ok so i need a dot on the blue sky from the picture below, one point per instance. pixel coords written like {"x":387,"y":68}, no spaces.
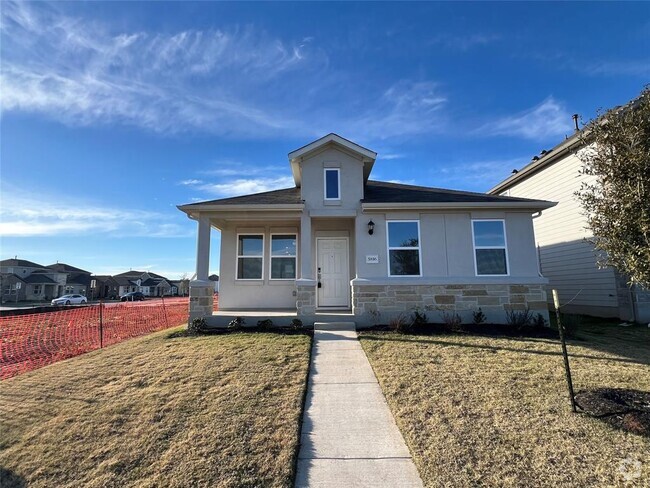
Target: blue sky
{"x":114,"y":113}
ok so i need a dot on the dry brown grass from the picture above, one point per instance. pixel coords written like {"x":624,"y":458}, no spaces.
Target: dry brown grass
{"x":482,"y":411}
{"x":158,"y":411}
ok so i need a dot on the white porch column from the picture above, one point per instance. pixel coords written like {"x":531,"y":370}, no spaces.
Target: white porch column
{"x":305,"y":285}
{"x":202,"y":289}
{"x":203,"y":249}
{"x":306,"y":270}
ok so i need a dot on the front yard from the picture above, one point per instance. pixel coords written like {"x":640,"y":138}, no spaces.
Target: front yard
{"x":159,"y":411}
{"x":486,"y":411}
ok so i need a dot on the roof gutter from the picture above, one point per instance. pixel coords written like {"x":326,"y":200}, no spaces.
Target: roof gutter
{"x":192,"y":208}
{"x":532,"y":205}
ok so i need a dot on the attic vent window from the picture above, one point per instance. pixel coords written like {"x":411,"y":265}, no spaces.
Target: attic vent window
{"x":332,"y":184}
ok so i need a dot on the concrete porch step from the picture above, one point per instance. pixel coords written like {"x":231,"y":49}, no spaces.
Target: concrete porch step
{"x":335,"y":326}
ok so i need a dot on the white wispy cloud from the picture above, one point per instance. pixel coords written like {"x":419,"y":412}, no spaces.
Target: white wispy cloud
{"x":29,"y":215}
{"x":190,"y":182}
{"x":475,"y":175}
{"x":546,"y":120}
{"x":245,"y":186}
{"x":230,"y":81}
{"x":80,"y":72}
{"x":406,"y":108}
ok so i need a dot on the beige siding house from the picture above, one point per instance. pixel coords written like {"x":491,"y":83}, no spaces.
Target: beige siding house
{"x":567,"y":258}
{"x":339,"y":242}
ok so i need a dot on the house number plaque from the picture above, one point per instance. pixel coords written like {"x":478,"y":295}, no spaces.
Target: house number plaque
{"x":372,"y":259}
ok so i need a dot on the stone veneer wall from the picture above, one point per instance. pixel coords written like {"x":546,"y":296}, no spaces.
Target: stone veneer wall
{"x":305,"y":300}
{"x":201,"y":300}
{"x":378,"y":303}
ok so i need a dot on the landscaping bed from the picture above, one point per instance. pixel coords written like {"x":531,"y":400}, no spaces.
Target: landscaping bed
{"x":160,"y":410}
{"x":481,"y":410}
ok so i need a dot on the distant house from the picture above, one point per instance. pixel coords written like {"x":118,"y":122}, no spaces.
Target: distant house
{"x":566,"y":256}
{"x":23,"y":280}
{"x":146,"y":282}
{"x":105,"y":286}
{"x":339,"y":241}
{"x":77,"y":280}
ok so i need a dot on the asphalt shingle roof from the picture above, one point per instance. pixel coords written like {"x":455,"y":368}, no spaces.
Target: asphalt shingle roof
{"x":285,"y":196}
{"x":375,"y":192}
{"x":20,"y":262}
{"x":38,"y":279}
{"x":66,"y":268}
{"x":384,"y":192}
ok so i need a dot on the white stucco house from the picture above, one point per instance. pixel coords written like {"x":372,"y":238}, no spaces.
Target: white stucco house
{"x":340,"y":242}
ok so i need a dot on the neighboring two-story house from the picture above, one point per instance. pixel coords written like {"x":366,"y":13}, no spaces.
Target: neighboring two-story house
{"x":566,"y":255}
{"x":339,"y":241}
{"x":23,"y":280}
{"x":77,"y":280}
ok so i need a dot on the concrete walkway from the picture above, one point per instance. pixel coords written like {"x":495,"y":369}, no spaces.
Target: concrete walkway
{"x":349,"y":436}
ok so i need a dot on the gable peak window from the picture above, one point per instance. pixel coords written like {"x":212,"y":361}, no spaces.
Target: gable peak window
{"x":490,"y":247}
{"x":332,"y":183}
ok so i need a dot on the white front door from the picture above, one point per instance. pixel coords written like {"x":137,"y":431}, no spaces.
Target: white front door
{"x":333,"y":272}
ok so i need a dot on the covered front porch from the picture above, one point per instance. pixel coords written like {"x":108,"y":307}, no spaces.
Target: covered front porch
{"x":276,"y":265}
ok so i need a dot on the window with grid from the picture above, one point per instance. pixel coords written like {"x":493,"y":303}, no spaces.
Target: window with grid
{"x":250,"y":256}
{"x":490,"y":248}
{"x":403,"y":248}
{"x":283,"y":257}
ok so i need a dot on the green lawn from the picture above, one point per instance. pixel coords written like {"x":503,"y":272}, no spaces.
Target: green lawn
{"x":486,"y":411}
{"x":158,"y":411}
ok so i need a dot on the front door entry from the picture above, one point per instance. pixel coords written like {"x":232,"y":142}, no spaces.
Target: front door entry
{"x":333,"y":272}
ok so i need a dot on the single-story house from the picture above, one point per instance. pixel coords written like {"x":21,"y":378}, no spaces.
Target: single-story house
{"x":567,"y":257}
{"x":339,"y":241}
{"x":104,"y":287}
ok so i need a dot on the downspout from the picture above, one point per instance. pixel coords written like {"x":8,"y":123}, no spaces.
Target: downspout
{"x":539,"y":259}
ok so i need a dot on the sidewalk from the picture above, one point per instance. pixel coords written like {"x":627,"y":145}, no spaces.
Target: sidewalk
{"x":349,"y":436}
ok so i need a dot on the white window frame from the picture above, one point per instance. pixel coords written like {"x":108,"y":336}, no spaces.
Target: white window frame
{"x":504,"y":247}
{"x":389,"y":249}
{"x":295,"y":256}
{"x":244,"y":257}
{"x":338,"y":181}
{"x":38,"y":287}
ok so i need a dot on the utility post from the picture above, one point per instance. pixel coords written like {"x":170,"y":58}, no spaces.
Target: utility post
{"x":565,"y":355}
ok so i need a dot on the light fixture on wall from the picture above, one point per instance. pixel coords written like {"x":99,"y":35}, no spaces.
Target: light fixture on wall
{"x":371,"y":227}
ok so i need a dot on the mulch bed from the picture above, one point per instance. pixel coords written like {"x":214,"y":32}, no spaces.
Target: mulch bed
{"x":628,"y":410}
{"x":244,"y":329}
{"x":475,"y":329}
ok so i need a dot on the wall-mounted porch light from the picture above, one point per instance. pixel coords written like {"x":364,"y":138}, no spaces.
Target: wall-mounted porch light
{"x":371,"y":227}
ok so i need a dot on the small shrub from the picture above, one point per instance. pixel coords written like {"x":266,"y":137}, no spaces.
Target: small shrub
{"x":478,"y":317}
{"x":401,"y":325}
{"x":375,"y":315}
{"x":265,"y":324}
{"x":452,"y":321}
{"x":519,"y":319}
{"x":296,"y":324}
{"x":419,"y":318}
{"x":196,"y":326}
{"x":539,"y":322}
{"x":236,"y":323}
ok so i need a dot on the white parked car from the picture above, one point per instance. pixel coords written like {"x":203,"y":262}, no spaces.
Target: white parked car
{"x":70,"y":300}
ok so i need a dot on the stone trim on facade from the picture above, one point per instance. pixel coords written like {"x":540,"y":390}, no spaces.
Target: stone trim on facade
{"x":378,"y":303}
{"x":305,"y":300}
{"x":201,"y":299}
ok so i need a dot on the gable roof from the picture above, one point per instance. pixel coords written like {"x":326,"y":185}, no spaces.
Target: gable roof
{"x":38,"y":279}
{"x":366,"y":156}
{"x":386,"y":192}
{"x":66,"y":268}
{"x":20,"y":262}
